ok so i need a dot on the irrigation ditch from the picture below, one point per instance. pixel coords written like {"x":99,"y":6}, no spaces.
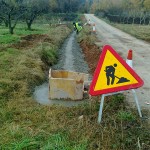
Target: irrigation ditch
{"x":71,"y":58}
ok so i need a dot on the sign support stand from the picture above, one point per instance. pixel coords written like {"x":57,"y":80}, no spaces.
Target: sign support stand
{"x":102,"y":103}
{"x":101,"y":108}
{"x":137,"y":102}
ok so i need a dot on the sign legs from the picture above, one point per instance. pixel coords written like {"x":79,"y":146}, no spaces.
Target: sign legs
{"x":137,"y":103}
{"x":101,"y":108}
{"x":102,"y":103}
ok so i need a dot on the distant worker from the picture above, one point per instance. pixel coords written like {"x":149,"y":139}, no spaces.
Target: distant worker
{"x":110,"y":74}
{"x":77,"y":27}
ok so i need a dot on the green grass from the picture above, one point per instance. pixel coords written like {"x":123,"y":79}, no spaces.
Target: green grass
{"x":8,"y":58}
{"x":4,"y":39}
{"x":87,"y":36}
{"x":49,"y":55}
{"x":126,"y":116}
{"x":21,"y":30}
{"x":52,"y":142}
{"x":139,"y":31}
{"x":27,"y":125}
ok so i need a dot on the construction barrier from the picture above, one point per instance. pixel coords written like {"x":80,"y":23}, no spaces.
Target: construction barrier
{"x":66,"y":84}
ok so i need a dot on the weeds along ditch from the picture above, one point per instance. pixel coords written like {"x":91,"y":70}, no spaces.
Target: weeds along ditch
{"x":70,"y":58}
{"x":25,"y":124}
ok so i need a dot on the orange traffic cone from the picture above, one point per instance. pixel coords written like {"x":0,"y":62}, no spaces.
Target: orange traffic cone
{"x":94,"y":28}
{"x":129,"y":58}
{"x":89,"y":22}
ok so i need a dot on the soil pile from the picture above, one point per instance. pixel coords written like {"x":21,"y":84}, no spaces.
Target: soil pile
{"x":30,"y":41}
{"x":92,"y":53}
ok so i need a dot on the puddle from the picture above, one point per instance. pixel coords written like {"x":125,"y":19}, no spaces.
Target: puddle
{"x":71,"y":58}
{"x":41,"y":96}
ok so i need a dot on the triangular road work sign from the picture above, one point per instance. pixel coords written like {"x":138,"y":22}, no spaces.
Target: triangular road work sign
{"x":113,"y":74}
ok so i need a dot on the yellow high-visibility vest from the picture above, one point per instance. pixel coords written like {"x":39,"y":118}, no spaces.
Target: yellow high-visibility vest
{"x":79,"y":28}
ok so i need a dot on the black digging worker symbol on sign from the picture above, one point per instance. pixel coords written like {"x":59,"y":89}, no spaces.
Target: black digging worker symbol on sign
{"x":110,"y":75}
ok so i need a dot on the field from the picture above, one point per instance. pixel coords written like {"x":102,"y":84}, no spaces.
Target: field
{"x":26,"y":125}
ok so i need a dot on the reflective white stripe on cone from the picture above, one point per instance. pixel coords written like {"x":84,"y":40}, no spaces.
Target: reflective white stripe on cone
{"x":94,"y":28}
{"x":129,"y":58}
{"x":89,"y":22}
{"x":129,"y":62}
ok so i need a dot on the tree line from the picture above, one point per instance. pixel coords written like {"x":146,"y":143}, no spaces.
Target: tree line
{"x":11,"y":11}
{"x":123,"y":11}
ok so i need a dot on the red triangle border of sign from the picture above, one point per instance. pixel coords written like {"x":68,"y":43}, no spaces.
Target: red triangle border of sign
{"x":113,"y":89}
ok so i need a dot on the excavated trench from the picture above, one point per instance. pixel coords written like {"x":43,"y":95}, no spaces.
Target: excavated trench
{"x":71,"y":58}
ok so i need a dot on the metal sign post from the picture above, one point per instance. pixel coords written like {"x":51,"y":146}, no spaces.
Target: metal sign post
{"x":112,"y":76}
{"x":102,"y":103}
{"x":137,"y":102}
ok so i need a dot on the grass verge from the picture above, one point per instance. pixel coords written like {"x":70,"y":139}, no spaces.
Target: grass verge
{"x":21,"y":30}
{"x":139,"y":31}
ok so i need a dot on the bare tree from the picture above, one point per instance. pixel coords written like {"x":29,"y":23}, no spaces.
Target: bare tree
{"x":11,"y":12}
{"x":34,"y":8}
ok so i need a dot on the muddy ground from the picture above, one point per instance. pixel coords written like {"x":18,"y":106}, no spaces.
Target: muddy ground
{"x":71,"y":58}
{"x":91,"y":54}
{"x":30,"y":41}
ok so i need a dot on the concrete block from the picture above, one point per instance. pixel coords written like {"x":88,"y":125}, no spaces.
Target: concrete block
{"x":66,"y":84}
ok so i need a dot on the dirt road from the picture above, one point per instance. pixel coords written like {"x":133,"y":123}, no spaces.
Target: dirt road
{"x":122,"y":42}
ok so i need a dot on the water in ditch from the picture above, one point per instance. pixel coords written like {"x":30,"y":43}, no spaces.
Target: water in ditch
{"x":71,"y":58}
